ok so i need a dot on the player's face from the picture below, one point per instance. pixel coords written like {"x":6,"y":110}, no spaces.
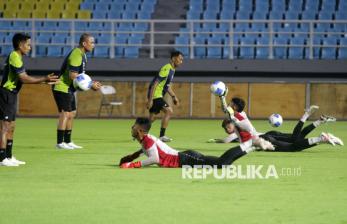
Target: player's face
{"x":89,"y":44}
{"x":229,"y":128}
{"x":25,"y":47}
{"x":177,"y":60}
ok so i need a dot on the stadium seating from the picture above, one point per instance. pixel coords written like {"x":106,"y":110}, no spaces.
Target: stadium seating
{"x":288,"y":32}
{"x":54,"y":38}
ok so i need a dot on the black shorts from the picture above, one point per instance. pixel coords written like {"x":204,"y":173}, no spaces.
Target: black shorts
{"x":8,"y":105}
{"x":158,"y":105}
{"x":191,"y":158}
{"x":65,"y":101}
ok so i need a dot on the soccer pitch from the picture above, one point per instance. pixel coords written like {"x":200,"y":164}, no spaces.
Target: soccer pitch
{"x":86,"y":186}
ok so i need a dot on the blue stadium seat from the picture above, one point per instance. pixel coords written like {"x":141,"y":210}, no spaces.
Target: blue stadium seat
{"x":43,"y":38}
{"x":54,"y":51}
{"x":342,"y":53}
{"x":6,"y":25}
{"x":341,"y":15}
{"x":49,"y":25}
{"x":81,"y":26}
{"x":229,"y":6}
{"x":246,"y":52}
{"x":114,"y":15}
{"x":280,"y":51}
{"x":132,"y":7}
{"x":182,"y":41}
{"x":5,"y":50}
{"x":99,"y":15}
{"x":143,"y":15}
{"x":292,"y":15}
{"x":193,"y":15}
{"x":59,"y":39}
{"x":214,"y":51}
{"x":101,"y":52}
{"x":131,"y":52}
{"x":95,"y":26}
{"x":116,"y":7}
{"x":296,"y":52}
{"x":140,"y":26}
{"x":275,"y":15}
{"x":199,"y":51}
{"x":325,"y":15}
{"x":147,"y":7}
{"x":209,"y":15}
{"x":104,"y":39}
{"x":129,"y":15}
{"x":41,"y":50}
{"x":262,"y":52}
{"x":262,"y":6}
{"x":87,"y":6}
{"x":329,"y":49}
{"x":308,"y":15}
{"x":101,"y":6}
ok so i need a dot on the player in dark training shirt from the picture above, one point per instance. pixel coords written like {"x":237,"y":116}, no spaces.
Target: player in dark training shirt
{"x":73,"y":65}
{"x":14,"y":75}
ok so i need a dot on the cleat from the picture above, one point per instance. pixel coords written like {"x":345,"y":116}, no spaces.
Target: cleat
{"x":165,"y":139}
{"x":14,"y":160}
{"x":7,"y":162}
{"x":73,"y":145}
{"x":335,"y":139}
{"x":326,"y":119}
{"x":327,"y":138}
{"x":63,"y":145}
{"x":311,"y":109}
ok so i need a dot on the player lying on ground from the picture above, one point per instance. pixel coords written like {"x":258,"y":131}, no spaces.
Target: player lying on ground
{"x":290,"y":142}
{"x":161,"y":154}
{"x":244,"y":129}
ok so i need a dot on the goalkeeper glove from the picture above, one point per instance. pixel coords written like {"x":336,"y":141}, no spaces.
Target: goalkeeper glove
{"x":212,"y":140}
{"x":131,"y":165}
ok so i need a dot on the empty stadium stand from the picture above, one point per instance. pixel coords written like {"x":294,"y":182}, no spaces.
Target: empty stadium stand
{"x":215,"y":29}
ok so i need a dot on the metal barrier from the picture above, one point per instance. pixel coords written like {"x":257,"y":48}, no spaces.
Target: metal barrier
{"x":273,"y":28}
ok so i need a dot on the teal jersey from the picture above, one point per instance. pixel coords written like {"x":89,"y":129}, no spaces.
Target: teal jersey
{"x":13,"y":67}
{"x":75,"y":61}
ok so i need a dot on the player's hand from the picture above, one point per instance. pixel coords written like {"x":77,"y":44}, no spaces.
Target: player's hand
{"x":212,"y":140}
{"x":225,"y":92}
{"x":96,"y":85}
{"x":131,"y":165}
{"x":126,"y":159}
{"x":52,"y":79}
{"x":149,"y":104}
{"x":175,"y":101}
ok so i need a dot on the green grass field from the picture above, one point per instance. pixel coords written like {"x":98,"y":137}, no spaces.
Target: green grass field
{"x":86,"y":186}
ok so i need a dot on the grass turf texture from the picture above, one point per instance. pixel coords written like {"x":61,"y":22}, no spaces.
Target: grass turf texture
{"x":86,"y":186}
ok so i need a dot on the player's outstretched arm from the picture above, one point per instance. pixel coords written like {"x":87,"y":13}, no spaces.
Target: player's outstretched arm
{"x":131,"y":157}
{"x":150,"y":97}
{"x":49,"y":79}
{"x":96,"y":85}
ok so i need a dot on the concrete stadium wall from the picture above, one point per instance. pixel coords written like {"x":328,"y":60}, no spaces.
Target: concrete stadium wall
{"x":288,"y":99}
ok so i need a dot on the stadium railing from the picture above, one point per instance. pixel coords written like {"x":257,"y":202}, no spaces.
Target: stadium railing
{"x":312,"y":31}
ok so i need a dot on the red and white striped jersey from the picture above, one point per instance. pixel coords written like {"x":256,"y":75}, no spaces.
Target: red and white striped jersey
{"x":158,"y":152}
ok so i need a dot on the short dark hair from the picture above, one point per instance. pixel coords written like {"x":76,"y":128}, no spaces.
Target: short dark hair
{"x":18,"y":38}
{"x":145,"y":123}
{"x":225,"y":122}
{"x":175,"y":54}
{"x":84,"y":37}
{"x":240,"y":103}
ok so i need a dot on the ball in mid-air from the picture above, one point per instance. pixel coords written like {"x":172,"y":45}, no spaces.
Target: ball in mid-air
{"x":275,"y":120}
{"x":218,"y":88}
{"x":83,"y":82}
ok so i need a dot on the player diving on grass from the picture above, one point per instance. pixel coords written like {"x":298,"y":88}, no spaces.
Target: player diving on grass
{"x":161,"y":154}
{"x":289,"y":142}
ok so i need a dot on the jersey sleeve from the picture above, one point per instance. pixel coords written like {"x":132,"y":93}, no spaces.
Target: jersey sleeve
{"x":16,"y":64}
{"x":75,"y":61}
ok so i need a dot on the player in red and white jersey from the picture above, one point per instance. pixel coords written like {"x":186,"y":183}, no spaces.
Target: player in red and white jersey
{"x":244,"y":129}
{"x":163,"y":155}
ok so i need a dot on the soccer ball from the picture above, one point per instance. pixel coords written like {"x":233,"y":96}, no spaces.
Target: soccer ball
{"x":275,"y":120}
{"x":83,"y":82}
{"x":218,"y":88}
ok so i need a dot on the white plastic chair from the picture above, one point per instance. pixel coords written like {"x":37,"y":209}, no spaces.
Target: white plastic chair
{"x":108,"y":99}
